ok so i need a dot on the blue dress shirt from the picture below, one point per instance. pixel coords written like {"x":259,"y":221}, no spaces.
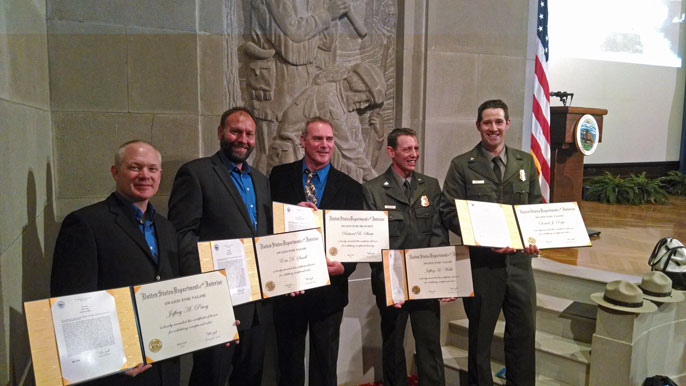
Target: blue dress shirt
{"x":319,"y":180}
{"x":145,"y":225}
{"x":242,"y":178}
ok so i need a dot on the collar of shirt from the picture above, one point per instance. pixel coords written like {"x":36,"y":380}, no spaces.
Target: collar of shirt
{"x":242,"y":179}
{"x":319,"y":179}
{"x":231,"y":167}
{"x":145,"y":223}
{"x":489,"y":156}
{"x":400,"y":180}
{"x":136,"y":213}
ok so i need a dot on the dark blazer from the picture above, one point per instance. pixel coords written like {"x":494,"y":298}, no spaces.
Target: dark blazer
{"x":340,"y":192}
{"x":411,"y":224}
{"x":205,"y":205}
{"x":101,"y":247}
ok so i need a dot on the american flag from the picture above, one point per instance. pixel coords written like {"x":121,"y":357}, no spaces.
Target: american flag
{"x":540,"y":131}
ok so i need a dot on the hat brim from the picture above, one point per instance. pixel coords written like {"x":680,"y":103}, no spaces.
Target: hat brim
{"x":645,"y":308}
{"x":674,"y":297}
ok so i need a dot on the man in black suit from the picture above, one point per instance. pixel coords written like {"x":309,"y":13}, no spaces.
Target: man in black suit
{"x":314,"y":182}
{"x":119,"y":242}
{"x":222,"y":197}
{"x":412,"y":200}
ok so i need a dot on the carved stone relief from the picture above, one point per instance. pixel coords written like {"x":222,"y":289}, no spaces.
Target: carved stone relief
{"x":299,"y":59}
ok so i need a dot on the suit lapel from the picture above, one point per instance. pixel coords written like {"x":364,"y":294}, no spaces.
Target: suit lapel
{"x":481,"y":165}
{"x":225,"y":178}
{"x":391,"y":187}
{"x":295,"y":182}
{"x":331,"y":188}
{"x":129,"y":226}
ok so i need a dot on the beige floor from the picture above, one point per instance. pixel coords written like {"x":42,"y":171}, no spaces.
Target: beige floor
{"x":628,"y":235}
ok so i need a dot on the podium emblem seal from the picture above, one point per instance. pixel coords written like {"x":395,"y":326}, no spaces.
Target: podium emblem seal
{"x":587,"y":134}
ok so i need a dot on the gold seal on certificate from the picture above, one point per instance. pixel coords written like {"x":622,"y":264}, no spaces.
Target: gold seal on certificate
{"x":270,"y":286}
{"x":430,"y":273}
{"x":356,"y":235}
{"x":155,"y":345}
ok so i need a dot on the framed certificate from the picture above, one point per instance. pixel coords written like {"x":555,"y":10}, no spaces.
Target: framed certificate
{"x":237,"y":258}
{"x":292,"y":261}
{"x":186,"y":314}
{"x":355,"y":235}
{"x":289,"y":218}
{"x":268,"y":266}
{"x":556,"y":225}
{"x":426,"y":273}
{"x":81,"y":337}
{"x":548,"y":226}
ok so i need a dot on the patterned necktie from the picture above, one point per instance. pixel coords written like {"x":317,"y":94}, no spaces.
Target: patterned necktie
{"x":310,"y":191}
{"x":497,"y":170}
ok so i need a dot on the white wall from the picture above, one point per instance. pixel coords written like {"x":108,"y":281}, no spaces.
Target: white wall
{"x":644,"y":102}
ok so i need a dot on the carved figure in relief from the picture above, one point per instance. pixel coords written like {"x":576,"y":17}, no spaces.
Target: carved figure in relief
{"x":338,"y":95}
{"x":291,"y":41}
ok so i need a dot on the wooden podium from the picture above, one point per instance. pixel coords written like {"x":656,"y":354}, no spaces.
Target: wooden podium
{"x":567,"y":161}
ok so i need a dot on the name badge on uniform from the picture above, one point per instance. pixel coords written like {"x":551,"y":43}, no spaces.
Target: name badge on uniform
{"x":522,"y":175}
{"x":425,"y":201}
{"x":389,"y":206}
{"x":477,"y":182}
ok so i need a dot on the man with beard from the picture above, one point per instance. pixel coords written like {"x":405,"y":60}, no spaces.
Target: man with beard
{"x":222,"y":197}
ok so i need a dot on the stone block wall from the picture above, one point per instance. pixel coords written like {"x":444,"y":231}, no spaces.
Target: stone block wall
{"x":27,"y":218}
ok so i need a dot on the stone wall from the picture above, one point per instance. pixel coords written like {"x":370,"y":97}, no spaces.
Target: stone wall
{"x":27,"y":217}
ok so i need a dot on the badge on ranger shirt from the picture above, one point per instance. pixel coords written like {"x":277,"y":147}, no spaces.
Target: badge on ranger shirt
{"x":425,"y":201}
{"x":522,"y":175}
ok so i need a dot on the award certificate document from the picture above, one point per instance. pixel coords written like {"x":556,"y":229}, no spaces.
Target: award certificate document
{"x":186,"y":314}
{"x":291,"y":218}
{"x":356,"y":235}
{"x":293,"y":261}
{"x":89,"y":340}
{"x":555,"y":225}
{"x":437,"y":273}
{"x":426,"y":273}
{"x":488,"y":224}
{"x":237,"y":258}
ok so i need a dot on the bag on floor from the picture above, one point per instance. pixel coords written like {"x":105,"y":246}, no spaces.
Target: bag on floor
{"x":669,"y":256}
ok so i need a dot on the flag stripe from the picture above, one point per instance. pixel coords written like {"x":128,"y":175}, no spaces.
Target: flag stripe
{"x":540,"y":125}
